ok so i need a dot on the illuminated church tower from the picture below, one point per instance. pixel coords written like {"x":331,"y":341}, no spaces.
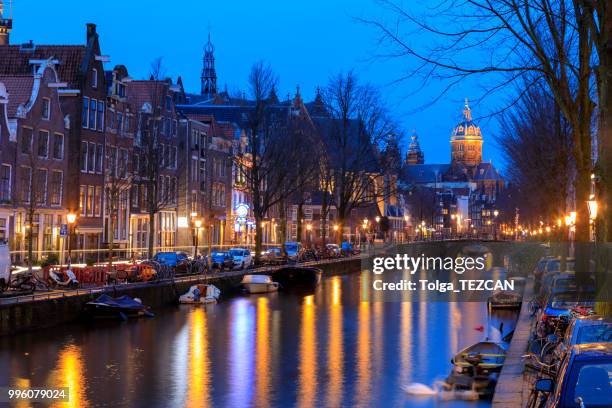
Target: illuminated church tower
{"x":209,"y":76}
{"x":466,"y":141}
{"x":6,"y":25}
{"x":414,"y":154}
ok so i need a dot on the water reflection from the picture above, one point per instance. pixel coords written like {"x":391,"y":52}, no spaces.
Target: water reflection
{"x":263,"y":353}
{"x":241,"y":353}
{"x":333,"y":347}
{"x":198,"y":379}
{"x":335,"y":352}
{"x":308,"y":355}
{"x":70,"y":373}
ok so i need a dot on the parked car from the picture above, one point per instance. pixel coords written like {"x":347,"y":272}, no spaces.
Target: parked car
{"x":242,"y":257}
{"x":272,"y":256}
{"x":585,"y":330}
{"x":221,"y":260}
{"x":561,"y":306}
{"x":171,"y":259}
{"x":293,"y":250}
{"x":584,"y":378}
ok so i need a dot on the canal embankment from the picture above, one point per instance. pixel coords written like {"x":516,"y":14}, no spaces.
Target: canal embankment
{"x":45,"y":310}
{"x":512,"y":388}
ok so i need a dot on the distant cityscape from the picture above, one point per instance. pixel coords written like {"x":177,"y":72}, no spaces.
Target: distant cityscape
{"x":90,"y":157}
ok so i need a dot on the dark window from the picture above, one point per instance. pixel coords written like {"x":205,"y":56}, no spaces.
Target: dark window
{"x":92,"y":113}
{"x":24,"y":183}
{"x":100,"y":117}
{"x":26,"y":140}
{"x":46,"y":108}
{"x":43,"y":143}
{"x":84,"y":156}
{"x":168,"y":103}
{"x":5,"y":182}
{"x":99,"y":159}
{"x":58,"y":146}
{"x":55,"y":186}
{"x":40,"y":186}
{"x":91,"y":159}
{"x":85,"y":116}
{"x":119,"y":122}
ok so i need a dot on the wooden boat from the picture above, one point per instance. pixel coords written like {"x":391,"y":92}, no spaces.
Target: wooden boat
{"x":297,"y":276}
{"x":200,"y":294}
{"x":124,"y":307}
{"x":505,"y":300}
{"x":259,"y":284}
{"x":477,"y":367}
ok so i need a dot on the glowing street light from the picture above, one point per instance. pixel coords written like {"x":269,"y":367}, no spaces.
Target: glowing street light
{"x":71,"y":219}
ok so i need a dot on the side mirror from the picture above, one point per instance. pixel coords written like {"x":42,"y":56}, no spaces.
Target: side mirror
{"x":544,"y":385}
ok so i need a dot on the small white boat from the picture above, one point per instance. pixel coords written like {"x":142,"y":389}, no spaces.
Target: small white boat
{"x":259,"y":284}
{"x":201,"y":294}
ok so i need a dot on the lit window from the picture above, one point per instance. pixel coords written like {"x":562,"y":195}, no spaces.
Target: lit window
{"x":94,"y":78}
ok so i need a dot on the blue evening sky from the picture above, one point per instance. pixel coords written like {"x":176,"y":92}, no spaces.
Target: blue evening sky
{"x":305,"y":42}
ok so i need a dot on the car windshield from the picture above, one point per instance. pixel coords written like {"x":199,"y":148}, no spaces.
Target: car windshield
{"x":218,"y":254}
{"x":595,"y":333}
{"x":236,"y":252}
{"x":570,"y":301}
{"x":593,"y":384}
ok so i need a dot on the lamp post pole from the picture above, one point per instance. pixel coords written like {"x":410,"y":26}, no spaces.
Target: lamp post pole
{"x":71,"y":218}
{"x":197,"y":224}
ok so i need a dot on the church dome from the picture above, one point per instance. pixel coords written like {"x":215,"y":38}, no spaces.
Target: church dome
{"x":466,"y":129}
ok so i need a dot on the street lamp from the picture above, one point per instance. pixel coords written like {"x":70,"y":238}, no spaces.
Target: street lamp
{"x":71,"y":218}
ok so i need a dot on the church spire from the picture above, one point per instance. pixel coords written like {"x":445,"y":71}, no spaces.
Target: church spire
{"x":6,"y":25}
{"x":467,"y":113}
{"x":414,"y":154}
{"x":209,"y":76}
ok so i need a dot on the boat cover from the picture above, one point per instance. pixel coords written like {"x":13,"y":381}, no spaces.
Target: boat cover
{"x":124,"y":302}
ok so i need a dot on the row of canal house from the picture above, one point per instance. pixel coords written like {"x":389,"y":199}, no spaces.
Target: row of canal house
{"x":75,"y":138}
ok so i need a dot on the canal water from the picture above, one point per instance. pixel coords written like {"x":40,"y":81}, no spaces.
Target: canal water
{"x":327,"y":348}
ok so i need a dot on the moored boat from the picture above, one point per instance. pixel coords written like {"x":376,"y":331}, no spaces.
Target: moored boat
{"x":200,"y":294}
{"x":297,"y":276}
{"x":505,"y":300}
{"x":259,"y":284}
{"x":122,"y":307}
{"x":477,"y":367}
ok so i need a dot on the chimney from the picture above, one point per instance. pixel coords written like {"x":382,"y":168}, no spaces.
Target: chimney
{"x":91,"y":31}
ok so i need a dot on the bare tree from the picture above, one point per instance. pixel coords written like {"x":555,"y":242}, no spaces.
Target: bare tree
{"x":118,"y":180}
{"x":31,"y":191}
{"x":358,"y":126}
{"x":160,"y":195}
{"x":537,"y":145}
{"x":277,"y":138}
{"x":550,"y":41}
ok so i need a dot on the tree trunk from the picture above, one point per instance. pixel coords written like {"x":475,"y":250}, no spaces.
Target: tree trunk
{"x":340,"y":230}
{"x":111,"y":240}
{"x":151,"y":240}
{"x":300,"y":216}
{"x":258,"y":237}
{"x":282,"y":225}
{"x":30,"y":239}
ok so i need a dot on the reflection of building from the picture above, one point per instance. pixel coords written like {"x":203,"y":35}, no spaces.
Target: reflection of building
{"x":463,"y":192}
